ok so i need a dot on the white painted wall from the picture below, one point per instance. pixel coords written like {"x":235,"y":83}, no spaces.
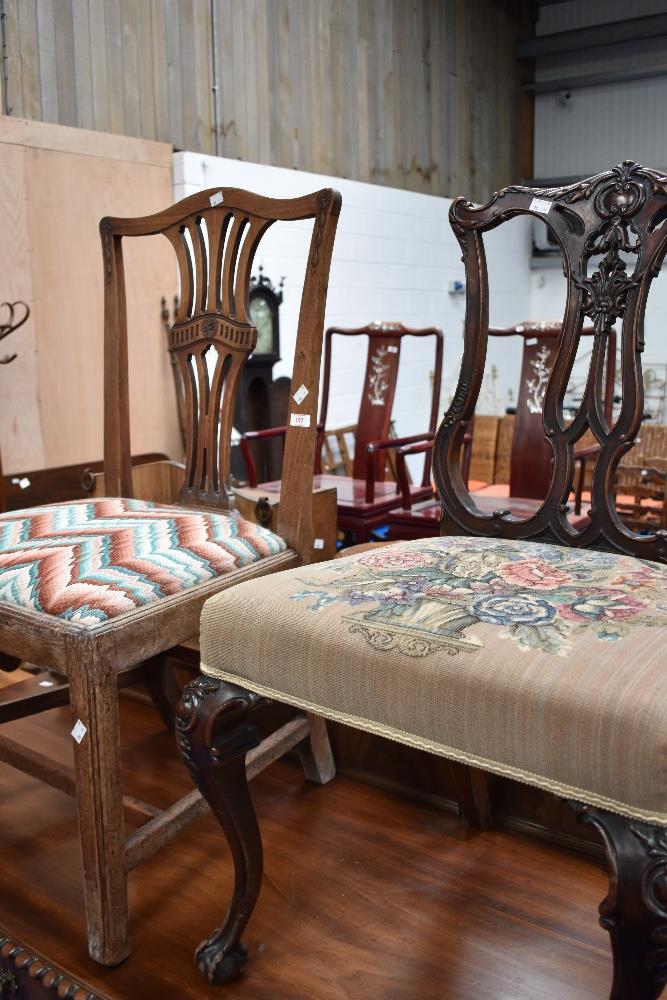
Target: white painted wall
{"x":393,"y":257}
{"x":600,"y":126}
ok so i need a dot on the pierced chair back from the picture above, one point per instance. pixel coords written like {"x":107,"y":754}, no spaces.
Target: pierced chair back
{"x":215,"y":235}
{"x":610,"y":232}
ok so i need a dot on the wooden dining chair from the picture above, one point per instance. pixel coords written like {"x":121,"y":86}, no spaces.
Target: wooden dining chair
{"x":97,"y":590}
{"x":365,"y":497}
{"x":526,"y":647}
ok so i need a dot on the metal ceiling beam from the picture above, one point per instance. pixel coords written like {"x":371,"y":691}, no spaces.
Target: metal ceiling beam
{"x":565,"y":83}
{"x":610,"y":33}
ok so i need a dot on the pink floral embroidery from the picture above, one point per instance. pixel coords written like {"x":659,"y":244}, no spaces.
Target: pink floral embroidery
{"x":601,"y":605}
{"x":391,"y":559}
{"x":430,"y":593}
{"x":534,"y":573}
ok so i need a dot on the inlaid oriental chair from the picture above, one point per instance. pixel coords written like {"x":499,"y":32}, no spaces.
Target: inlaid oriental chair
{"x":526,"y":647}
{"x":96,"y":590}
{"x":365,"y":497}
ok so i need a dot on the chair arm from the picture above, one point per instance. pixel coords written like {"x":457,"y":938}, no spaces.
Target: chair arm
{"x":401,"y":468}
{"x":373,"y":447}
{"x":263,"y":435}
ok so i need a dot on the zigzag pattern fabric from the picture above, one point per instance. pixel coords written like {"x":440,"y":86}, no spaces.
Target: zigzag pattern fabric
{"x":91,"y":560}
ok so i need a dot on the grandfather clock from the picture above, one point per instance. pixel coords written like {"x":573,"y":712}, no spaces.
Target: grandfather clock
{"x":261,"y":402}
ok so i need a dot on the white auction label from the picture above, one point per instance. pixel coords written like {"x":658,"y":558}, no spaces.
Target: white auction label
{"x":392,"y":349}
{"x":46,"y":684}
{"x":79,"y":731}
{"x":300,"y":419}
{"x":300,"y":394}
{"x":318,"y":543}
{"x":216,"y":199}
{"x":540,"y":205}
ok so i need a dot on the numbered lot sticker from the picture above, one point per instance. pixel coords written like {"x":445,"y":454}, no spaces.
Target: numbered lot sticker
{"x":300,"y":419}
{"x":540,"y":205}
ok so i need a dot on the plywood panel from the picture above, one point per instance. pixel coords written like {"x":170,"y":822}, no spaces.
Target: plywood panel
{"x":21,"y":444}
{"x":418,"y":94}
{"x":67,"y":191}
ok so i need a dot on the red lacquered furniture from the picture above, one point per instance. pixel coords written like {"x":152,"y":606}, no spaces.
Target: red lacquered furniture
{"x":531,"y":462}
{"x":365,"y":497}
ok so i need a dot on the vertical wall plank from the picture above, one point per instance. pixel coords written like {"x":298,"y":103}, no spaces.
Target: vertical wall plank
{"x":419,"y":94}
{"x":82,"y":68}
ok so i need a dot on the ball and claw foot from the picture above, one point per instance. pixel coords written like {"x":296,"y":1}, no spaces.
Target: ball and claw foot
{"x":220,"y":965}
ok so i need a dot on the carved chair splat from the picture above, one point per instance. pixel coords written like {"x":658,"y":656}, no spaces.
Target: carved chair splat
{"x":365,"y":497}
{"x":101,"y":636}
{"x":530,"y":647}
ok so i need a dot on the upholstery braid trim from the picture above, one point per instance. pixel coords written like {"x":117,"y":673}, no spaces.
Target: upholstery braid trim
{"x":399,"y":736}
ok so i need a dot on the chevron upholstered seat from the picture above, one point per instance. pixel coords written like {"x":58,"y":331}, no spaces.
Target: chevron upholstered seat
{"x":91,"y":560}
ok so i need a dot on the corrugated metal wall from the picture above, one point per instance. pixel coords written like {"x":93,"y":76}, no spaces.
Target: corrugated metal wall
{"x":600,"y":125}
{"x":417,"y":94}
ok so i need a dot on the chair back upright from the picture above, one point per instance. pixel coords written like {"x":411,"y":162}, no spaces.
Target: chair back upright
{"x":215,"y":235}
{"x":379,"y":386}
{"x":610,"y":232}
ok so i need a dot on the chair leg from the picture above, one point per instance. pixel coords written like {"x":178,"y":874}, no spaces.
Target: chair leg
{"x":163,"y":688}
{"x":315,"y":753}
{"x":635,"y":910}
{"x":99,"y":794}
{"x":472,"y":794}
{"x":214,"y":734}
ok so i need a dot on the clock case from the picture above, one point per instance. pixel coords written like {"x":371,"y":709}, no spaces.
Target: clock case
{"x":262,"y":401}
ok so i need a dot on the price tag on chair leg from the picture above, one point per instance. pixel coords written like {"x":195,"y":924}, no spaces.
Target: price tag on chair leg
{"x":79,"y":731}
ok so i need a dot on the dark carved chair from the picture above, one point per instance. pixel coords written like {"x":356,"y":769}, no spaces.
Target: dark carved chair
{"x":526,"y":647}
{"x":98,"y":589}
{"x":365,"y":497}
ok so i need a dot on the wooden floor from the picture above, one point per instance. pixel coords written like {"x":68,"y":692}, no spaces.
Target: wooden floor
{"x":365,"y":895}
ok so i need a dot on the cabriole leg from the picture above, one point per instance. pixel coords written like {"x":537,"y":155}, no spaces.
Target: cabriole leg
{"x":214,"y":734}
{"x":635,"y":910}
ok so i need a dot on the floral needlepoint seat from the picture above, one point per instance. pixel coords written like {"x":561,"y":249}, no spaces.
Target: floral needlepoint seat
{"x":89,"y":561}
{"x":543,"y":645}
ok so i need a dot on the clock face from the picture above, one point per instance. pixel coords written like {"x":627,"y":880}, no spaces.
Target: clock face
{"x":262,"y":317}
